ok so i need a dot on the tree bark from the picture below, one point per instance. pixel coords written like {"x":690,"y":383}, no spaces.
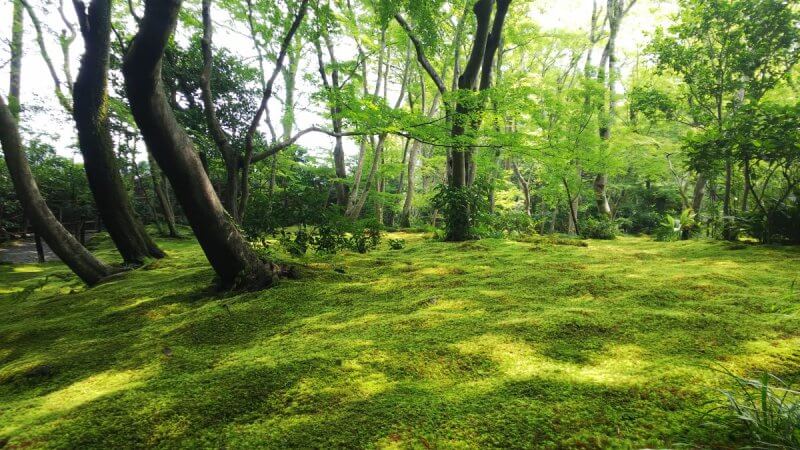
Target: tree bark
{"x":236,"y":264}
{"x":162,"y":196}
{"x":600,"y":197}
{"x":525,"y":187}
{"x":90,"y":110}
{"x":17,"y":31}
{"x":699,"y":192}
{"x":75,"y":256}
{"x":332,"y":86}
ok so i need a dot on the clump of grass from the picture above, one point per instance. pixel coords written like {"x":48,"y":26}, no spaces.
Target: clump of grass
{"x":767,"y":408}
{"x":552,"y":240}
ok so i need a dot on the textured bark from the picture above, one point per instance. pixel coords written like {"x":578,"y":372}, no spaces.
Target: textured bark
{"x":486,"y":40}
{"x":90,"y":110}
{"x":699,"y":192}
{"x":75,"y":256}
{"x":226,"y":249}
{"x":162,"y":196}
{"x":600,"y":197}
{"x":332,"y":86}
{"x":615,"y":13}
{"x":17,"y":27}
{"x":525,"y":187}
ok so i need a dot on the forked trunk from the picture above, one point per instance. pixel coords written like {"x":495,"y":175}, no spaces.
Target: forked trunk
{"x":236,"y":264}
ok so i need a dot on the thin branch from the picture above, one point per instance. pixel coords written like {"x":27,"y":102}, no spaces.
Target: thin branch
{"x":423,"y":60}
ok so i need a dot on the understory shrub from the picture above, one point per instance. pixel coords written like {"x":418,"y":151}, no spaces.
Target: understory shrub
{"x":330,"y":238}
{"x":673,"y":229}
{"x":593,"y":228}
{"x":397,"y":244}
{"x":506,"y":223}
{"x":779,"y":225}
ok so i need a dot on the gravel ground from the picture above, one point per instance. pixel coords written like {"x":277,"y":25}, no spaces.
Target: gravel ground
{"x":23,"y":251}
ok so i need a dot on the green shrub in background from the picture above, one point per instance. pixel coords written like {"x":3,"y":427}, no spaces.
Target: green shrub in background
{"x":397,"y":244}
{"x":593,"y":228}
{"x":680,"y":228}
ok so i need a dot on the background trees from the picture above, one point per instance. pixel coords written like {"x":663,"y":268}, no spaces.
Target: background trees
{"x":461,"y":115}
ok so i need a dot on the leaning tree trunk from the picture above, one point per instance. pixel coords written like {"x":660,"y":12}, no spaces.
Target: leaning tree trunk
{"x":90,"y":110}
{"x":81,"y":261}
{"x":236,"y":264}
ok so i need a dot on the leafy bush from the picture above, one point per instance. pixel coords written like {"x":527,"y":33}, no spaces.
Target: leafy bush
{"x":329,"y":239}
{"x":397,"y":244}
{"x":781,"y":225}
{"x":673,"y":229}
{"x":297,"y":246}
{"x":593,"y":228}
{"x":455,"y":202}
{"x":507,"y":223}
{"x":767,"y":409}
{"x":332,"y":237}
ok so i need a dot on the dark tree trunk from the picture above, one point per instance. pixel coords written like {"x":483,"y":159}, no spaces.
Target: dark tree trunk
{"x":162,"y":196}
{"x":84,"y":264}
{"x":481,"y":62}
{"x":727,"y":219}
{"x":226,"y":249}
{"x":39,"y":248}
{"x":90,"y":110}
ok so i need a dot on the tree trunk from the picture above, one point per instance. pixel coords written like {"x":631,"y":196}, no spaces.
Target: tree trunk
{"x":524,"y":187}
{"x":226,"y":249}
{"x":358,"y":206}
{"x":600,"y":196}
{"x":39,"y":248}
{"x":727,"y":220}
{"x":90,"y":110}
{"x":332,"y":86}
{"x":75,"y":256}
{"x":699,"y":192}
{"x":162,"y":196}
{"x":17,"y":31}
{"x":230,"y":193}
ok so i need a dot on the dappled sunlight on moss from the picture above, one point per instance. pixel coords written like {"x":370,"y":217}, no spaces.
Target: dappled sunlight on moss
{"x":480,"y":344}
{"x":27,"y":269}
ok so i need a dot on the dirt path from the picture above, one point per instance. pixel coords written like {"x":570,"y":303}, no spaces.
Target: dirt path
{"x":23,"y":251}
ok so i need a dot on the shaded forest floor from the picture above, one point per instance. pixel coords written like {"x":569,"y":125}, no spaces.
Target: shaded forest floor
{"x":482,"y":344}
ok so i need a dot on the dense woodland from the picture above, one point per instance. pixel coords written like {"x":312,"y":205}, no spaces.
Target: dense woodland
{"x":465,"y":120}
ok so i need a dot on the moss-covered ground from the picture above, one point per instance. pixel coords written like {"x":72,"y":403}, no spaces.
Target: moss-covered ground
{"x":491,"y":343}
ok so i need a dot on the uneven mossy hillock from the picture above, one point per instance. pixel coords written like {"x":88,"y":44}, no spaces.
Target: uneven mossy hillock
{"x":487,"y":344}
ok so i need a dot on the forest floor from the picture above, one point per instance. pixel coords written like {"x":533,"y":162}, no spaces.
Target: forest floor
{"x":491,"y":343}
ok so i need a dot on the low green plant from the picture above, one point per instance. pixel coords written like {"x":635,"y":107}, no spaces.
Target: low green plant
{"x":673,"y":229}
{"x":328,"y":239}
{"x":767,"y":408}
{"x":298,"y":245}
{"x":397,"y":244}
{"x":593,"y":228}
